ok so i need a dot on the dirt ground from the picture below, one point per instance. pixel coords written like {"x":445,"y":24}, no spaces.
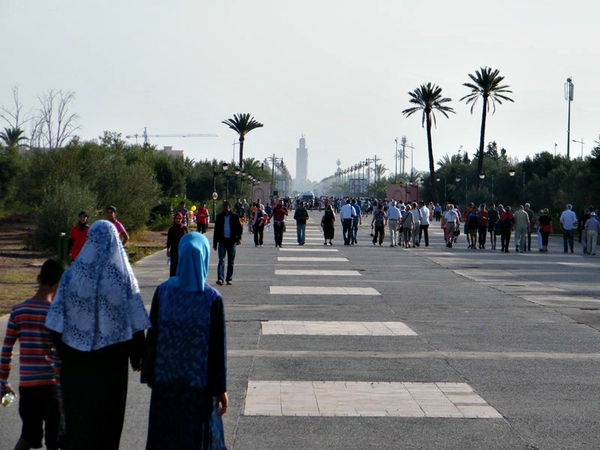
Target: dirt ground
{"x":20,"y":266}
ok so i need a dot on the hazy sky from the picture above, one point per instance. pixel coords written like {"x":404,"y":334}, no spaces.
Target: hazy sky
{"x":336,"y":71}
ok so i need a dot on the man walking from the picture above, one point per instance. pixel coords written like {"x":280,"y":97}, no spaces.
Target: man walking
{"x":425,"y":220}
{"x":347,"y":213}
{"x":301,"y":216}
{"x":393,"y":216}
{"x":226,"y":236}
{"x":521,"y":227}
{"x":568,"y":220}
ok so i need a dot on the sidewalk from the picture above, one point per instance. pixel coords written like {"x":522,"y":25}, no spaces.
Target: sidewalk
{"x":360,"y":347}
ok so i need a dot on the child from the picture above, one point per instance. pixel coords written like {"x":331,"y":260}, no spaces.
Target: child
{"x":38,"y":401}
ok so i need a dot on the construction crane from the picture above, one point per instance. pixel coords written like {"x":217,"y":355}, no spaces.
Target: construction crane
{"x":145,"y":135}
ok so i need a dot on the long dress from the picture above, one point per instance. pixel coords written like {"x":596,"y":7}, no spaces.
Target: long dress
{"x":328,"y":225}
{"x":94,"y":391}
{"x":185,"y":364}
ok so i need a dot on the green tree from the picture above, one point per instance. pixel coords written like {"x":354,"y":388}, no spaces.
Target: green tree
{"x":12,"y":137}
{"x":486,"y":83}
{"x":428,"y":98}
{"x":242,"y":124}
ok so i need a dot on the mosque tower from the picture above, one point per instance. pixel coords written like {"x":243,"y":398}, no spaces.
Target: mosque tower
{"x":302,"y":161}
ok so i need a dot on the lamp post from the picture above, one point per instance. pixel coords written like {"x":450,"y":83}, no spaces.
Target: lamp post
{"x":580,"y":142}
{"x":438,"y":179}
{"x":512,"y":173}
{"x":224,"y":166}
{"x":214,"y":197}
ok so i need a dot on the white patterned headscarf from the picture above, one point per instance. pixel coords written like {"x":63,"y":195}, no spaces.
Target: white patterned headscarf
{"x":98,"y":302}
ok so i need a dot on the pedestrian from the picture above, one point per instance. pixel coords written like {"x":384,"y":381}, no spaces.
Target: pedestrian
{"x":301,"y":216}
{"x":416,"y":220}
{"x":98,"y":320}
{"x":531,"y":216}
{"x":111,"y":216}
{"x":493,"y":219}
{"x":378,"y":224}
{"x":184,"y":212}
{"x":258,"y":219}
{"x":450,"y":221}
{"x":568,"y":220}
{"x":227,"y":235}
{"x":280,"y":212}
{"x":174,"y":235}
{"x":521,"y":221}
{"x":185,"y":361}
{"x":393,"y":217}
{"x":202,"y":218}
{"x":544,"y":224}
{"x":356,"y":221}
{"x":347,"y":214}
{"x":426,"y":216}
{"x":39,"y":405}
{"x":328,"y":224}
{"x":78,"y":235}
{"x":482,"y":226}
{"x":506,"y":225}
{"x":591,"y":232}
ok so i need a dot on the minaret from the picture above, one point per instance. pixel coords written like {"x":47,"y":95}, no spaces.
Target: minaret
{"x":302,"y":161}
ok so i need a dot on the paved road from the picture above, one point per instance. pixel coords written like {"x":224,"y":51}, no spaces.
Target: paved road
{"x":516,"y":336}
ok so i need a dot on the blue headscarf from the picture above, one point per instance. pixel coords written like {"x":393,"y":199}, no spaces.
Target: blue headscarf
{"x":192,"y":268}
{"x":98,"y":302}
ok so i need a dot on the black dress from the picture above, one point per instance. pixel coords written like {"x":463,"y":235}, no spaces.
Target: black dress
{"x":328,"y":222}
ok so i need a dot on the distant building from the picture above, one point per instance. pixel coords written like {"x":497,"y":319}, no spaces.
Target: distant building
{"x":175,"y":153}
{"x":302,"y":161}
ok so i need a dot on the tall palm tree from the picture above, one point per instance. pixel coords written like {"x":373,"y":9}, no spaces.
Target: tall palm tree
{"x":242,"y":124}
{"x":486,"y":84}
{"x":428,"y":98}
{"x":12,"y":137}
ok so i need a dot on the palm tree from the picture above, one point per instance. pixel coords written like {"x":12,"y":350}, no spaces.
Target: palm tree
{"x":428,"y":98}
{"x":12,"y":137}
{"x":242,"y":124}
{"x":486,"y":84}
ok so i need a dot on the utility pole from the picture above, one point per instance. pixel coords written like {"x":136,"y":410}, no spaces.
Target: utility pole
{"x":569,"y":98}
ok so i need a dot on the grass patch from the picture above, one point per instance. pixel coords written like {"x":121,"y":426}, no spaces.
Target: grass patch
{"x":137,"y":252}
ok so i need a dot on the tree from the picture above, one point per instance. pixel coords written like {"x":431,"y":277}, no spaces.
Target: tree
{"x":487,"y":85}
{"x":14,"y":117}
{"x":428,"y":98}
{"x":55,"y":124}
{"x":242,"y":124}
{"x":12,"y":137}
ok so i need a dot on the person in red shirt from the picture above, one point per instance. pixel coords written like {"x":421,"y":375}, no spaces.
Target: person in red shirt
{"x":278,"y":215}
{"x":202,"y":218}
{"x":78,"y":235}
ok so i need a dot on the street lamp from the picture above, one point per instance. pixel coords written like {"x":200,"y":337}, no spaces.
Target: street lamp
{"x":224,"y":166}
{"x":438,"y":179}
{"x":214,"y":197}
{"x":580,"y":142}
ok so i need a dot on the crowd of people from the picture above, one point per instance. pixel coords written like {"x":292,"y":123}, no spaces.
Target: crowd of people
{"x":87,"y":324}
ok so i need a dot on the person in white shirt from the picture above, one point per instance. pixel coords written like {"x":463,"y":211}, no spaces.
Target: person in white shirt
{"x":393,"y":215}
{"x":346,"y":214}
{"x":568,"y":220}
{"x":449,"y":222}
{"x":425,"y":220}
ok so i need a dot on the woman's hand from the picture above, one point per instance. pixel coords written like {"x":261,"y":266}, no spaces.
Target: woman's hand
{"x":222,"y":403}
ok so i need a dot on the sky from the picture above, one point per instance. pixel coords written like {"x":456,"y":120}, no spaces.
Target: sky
{"x":337,"y":72}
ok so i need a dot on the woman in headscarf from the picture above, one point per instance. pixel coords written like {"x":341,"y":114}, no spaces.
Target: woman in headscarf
{"x":185,"y":362}
{"x":97,"y":320}
{"x":328,"y":224}
{"x":174,"y":235}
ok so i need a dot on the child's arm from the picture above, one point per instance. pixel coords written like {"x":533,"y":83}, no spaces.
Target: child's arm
{"x":6,"y":354}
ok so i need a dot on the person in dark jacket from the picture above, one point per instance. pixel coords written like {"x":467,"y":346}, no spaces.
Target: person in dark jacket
{"x":227,"y":235}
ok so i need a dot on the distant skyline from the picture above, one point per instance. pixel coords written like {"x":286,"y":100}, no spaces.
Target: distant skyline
{"x":336,"y":71}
